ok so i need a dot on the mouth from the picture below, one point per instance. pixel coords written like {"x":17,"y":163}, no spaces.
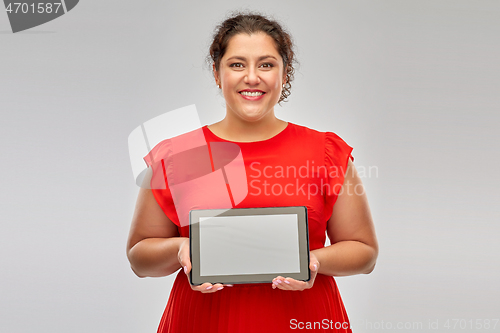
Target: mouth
{"x":251,"y":93}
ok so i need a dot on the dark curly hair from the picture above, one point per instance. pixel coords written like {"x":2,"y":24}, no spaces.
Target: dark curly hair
{"x":252,"y":23}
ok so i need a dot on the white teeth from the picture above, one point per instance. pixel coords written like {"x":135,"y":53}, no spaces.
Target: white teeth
{"x":253,"y":93}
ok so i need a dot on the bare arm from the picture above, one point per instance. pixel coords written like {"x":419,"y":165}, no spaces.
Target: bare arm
{"x":154,"y":242}
{"x":351,"y":231}
{"x":154,"y":247}
{"x":354,"y":246}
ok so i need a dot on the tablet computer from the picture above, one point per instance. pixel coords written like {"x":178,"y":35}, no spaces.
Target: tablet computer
{"x":248,"y":245}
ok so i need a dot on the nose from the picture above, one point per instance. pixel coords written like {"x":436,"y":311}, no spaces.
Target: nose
{"x":252,"y":76}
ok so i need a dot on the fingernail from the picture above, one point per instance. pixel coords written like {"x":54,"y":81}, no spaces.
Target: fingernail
{"x":279,"y":281}
{"x":315,"y":267}
{"x":185,"y":269}
{"x":220,"y":288}
{"x":209,"y":287}
{"x":287,"y":282}
{"x":275,"y":282}
{"x":229,"y":285}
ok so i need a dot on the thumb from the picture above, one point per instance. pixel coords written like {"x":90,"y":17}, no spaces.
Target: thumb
{"x":184,"y":260}
{"x":314,"y":266}
{"x":186,"y":265}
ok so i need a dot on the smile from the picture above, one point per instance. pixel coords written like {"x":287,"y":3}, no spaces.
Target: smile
{"x":252,"y":93}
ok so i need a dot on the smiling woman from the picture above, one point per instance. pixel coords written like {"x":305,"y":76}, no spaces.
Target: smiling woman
{"x":251,"y":76}
{"x":252,"y":60}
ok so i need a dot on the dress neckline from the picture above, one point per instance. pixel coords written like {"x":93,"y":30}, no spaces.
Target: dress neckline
{"x":280,"y":134}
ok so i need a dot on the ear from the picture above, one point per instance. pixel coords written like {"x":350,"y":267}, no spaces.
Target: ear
{"x":216,"y":75}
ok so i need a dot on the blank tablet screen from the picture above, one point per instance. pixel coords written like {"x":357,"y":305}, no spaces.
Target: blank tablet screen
{"x":253,"y":244}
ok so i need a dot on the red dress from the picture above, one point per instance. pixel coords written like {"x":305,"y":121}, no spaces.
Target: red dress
{"x":297,"y":167}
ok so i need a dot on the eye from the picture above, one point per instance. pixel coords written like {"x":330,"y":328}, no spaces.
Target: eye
{"x":267,"y":65}
{"x":236,"y":65}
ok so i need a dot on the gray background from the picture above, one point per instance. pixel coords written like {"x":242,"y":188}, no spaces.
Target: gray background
{"x":411,"y":85}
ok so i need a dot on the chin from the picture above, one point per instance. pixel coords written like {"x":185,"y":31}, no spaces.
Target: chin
{"x":252,"y":118}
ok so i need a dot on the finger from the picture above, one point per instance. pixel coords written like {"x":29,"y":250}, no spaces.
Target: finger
{"x":295,"y":284}
{"x":184,"y":259}
{"x":313,"y":262}
{"x":276,"y":281}
{"x":288,"y":284}
{"x":292,"y":284}
{"x":285,"y":284}
{"x":186,"y":266}
{"x":204,"y":288}
{"x":314,"y":265}
{"x":314,"y":272}
{"x":217,"y":287}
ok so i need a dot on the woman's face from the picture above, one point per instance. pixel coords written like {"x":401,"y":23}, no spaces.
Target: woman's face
{"x":251,"y":74}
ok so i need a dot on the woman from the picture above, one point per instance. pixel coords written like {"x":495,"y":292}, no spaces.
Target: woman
{"x":252,"y":60}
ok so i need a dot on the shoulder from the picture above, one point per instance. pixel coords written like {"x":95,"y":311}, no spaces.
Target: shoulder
{"x":302,"y":129}
{"x":335,"y":149}
{"x":163,"y":148}
{"x":328,"y":137}
{"x":305,"y":133}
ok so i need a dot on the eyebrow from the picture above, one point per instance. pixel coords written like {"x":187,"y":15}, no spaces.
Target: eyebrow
{"x":260,"y":58}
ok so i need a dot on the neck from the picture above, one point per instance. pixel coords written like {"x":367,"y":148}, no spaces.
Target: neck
{"x":236,"y":129}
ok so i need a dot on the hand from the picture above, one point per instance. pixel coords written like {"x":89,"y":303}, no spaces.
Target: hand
{"x":183,"y":257}
{"x":292,"y":284}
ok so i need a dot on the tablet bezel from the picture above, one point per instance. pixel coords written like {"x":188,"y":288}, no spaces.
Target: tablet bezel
{"x":194,"y":241}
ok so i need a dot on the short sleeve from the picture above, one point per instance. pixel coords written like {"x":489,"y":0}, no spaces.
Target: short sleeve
{"x":337,"y":154}
{"x":155,"y":160}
